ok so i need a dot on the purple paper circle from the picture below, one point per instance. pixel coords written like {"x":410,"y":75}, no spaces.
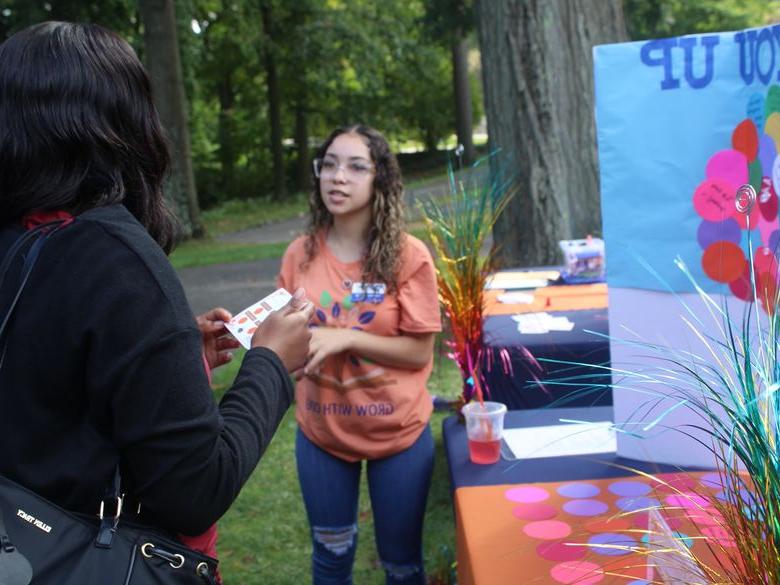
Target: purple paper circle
{"x":579,"y":490}
{"x":774,"y":241}
{"x":632,"y":504}
{"x":585,"y":507}
{"x":629,"y":488}
{"x":710,"y":232}
{"x":766,"y":153}
{"x":526,"y":494}
{"x":612,"y":538}
{"x":711,"y":480}
{"x":639,"y":582}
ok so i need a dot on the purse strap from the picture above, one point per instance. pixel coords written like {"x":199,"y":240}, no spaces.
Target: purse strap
{"x":39,"y":234}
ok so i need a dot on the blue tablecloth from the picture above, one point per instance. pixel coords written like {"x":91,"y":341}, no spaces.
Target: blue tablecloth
{"x":464,"y":473}
{"x":586,"y":343}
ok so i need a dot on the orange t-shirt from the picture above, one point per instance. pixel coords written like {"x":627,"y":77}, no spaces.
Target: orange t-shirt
{"x":355,"y":408}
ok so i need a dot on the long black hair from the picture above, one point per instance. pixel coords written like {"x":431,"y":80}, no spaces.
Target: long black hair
{"x":78,"y":128}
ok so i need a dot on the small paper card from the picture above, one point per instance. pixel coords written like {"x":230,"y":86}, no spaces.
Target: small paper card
{"x":244,"y":324}
{"x":561,"y":440}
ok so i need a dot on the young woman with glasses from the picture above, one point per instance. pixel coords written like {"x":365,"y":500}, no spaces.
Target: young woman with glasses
{"x":362,"y":394}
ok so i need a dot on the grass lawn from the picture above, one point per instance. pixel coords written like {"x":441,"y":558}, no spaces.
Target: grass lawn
{"x":264,"y":538}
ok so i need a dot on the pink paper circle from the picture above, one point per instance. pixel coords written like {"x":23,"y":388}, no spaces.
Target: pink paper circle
{"x":678,"y":482}
{"x":560,"y":551}
{"x":547,"y":529}
{"x":688,"y":500}
{"x":713,"y":200}
{"x":526,"y":494}
{"x":585,"y":507}
{"x":719,"y":535}
{"x":577,"y":572}
{"x":709,"y":517}
{"x":728,"y":165}
{"x":534,"y":511}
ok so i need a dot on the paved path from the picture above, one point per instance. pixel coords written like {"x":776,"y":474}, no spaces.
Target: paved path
{"x":237,"y":285}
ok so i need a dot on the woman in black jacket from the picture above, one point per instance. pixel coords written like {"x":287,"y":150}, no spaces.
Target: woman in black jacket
{"x":103,"y":361}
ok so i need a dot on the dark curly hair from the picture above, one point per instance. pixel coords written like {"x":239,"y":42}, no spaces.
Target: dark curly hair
{"x":78,"y":128}
{"x":385,"y":235}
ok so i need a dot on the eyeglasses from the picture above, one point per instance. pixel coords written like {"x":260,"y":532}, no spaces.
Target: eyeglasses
{"x":327,"y":168}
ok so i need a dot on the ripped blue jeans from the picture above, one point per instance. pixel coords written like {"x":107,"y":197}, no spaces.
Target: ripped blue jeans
{"x":398,"y":486}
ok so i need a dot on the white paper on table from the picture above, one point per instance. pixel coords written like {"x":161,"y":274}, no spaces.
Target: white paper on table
{"x":561,"y":440}
{"x":541,"y":323}
{"x":516,"y":298}
{"x":531,"y":323}
{"x":510,"y":280}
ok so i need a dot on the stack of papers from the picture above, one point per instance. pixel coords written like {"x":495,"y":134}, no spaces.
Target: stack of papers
{"x":561,"y":440}
{"x":541,"y":323}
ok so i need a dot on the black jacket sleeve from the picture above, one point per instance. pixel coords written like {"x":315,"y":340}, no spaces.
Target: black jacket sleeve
{"x":184,"y":457}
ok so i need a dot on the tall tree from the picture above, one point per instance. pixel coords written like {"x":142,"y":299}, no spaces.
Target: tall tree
{"x":451,"y":21}
{"x":274,"y":98}
{"x":164,"y":65}
{"x":538,"y":77}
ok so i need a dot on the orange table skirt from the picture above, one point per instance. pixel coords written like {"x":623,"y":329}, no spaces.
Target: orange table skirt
{"x":582,"y":532}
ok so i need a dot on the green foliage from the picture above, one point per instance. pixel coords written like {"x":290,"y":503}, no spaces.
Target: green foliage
{"x":664,"y":18}
{"x":338,"y":62}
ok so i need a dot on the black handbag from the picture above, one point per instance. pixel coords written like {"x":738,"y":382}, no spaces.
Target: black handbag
{"x":42,"y":544}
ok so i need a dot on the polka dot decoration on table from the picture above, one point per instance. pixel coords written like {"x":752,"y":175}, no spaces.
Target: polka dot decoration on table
{"x":629,"y":488}
{"x":718,"y":536}
{"x":577,"y":573}
{"x":594,"y":531}
{"x":579,"y":490}
{"x":689,"y":500}
{"x":561,"y":550}
{"x":752,"y":159}
{"x":536,"y":511}
{"x":585,"y":507}
{"x":633,"y":504}
{"x":612,"y":544}
{"x":547,"y":529}
{"x":527,"y":494}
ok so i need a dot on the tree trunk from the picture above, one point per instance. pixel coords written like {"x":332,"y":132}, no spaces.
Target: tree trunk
{"x":460,"y":80}
{"x":226,"y":151}
{"x":274,"y":109}
{"x":164,"y":65}
{"x":303,"y":170}
{"x":537,"y":69}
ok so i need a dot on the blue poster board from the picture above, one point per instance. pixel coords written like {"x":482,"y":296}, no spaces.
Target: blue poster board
{"x":682,"y":123}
